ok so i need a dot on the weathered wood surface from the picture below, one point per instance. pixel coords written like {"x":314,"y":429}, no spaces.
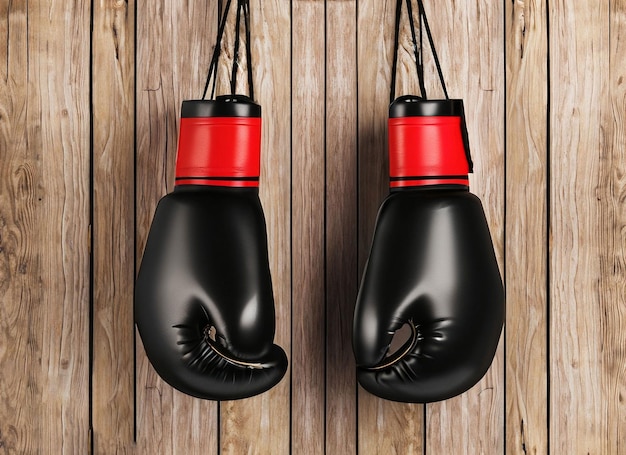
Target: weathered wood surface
{"x":308,"y":328}
{"x":526,"y":228}
{"x":44,"y":227}
{"x":113,"y":231}
{"x":341,"y":225}
{"x":88,"y":133}
{"x":587,"y":227}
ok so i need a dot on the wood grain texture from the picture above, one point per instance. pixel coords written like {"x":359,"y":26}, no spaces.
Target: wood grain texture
{"x":113,"y":248}
{"x":471,"y":53}
{"x":526,"y":227}
{"x":341,"y":225}
{"x":578,"y":49}
{"x":383,"y":426}
{"x":587,"y":226}
{"x":174,"y":46}
{"x":613,"y":239}
{"x":308,"y":329}
{"x":44,"y":228}
{"x":261,"y":424}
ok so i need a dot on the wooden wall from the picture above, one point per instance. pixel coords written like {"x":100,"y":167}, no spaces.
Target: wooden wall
{"x":89,"y":102}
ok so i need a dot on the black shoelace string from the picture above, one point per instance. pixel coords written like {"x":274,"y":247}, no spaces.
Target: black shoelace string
{"x":417,"y":48}
{"x":243,"y":9}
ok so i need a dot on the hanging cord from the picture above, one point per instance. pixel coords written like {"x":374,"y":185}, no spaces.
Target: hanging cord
{"x":246,"y":16}
{"x":417,"y":49}
{"x":242,"y":6}
{"x":233,"y":76}
{"x":216,"y":52}
{"x":419,"y":57}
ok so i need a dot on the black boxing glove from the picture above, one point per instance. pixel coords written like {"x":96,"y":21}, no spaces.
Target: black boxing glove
{"x":204,"y":304}
{"x":431,"y":266}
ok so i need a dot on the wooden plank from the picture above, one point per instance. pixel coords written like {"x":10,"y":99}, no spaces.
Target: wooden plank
{"x":587,"y":226}
{"x":526,"y":227}
{"x":44,"y":228}
{"x":613,"y":240}
{"x":383,"y":426}
{"x":174,"y":48}
{"x":261,"y":424}
{"x":307,"y":229}
{"x":19,"y":242}
{"x":341,"y":225}
{"x":471,"y":55}
{"x":113,"y":85}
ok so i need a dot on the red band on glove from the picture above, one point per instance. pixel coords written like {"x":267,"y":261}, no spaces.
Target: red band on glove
{"x":219,"y":151}
{"x":426,"y":151}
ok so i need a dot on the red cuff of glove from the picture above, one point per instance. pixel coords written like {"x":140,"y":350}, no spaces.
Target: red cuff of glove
{"x":427,"y":144}
{"x":219,"y":145}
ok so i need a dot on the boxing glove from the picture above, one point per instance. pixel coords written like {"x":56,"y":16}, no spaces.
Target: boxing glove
{"x":431,"y":266}
{"x":204,"y":304}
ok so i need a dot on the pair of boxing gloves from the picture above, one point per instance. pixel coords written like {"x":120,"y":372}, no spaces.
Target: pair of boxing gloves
{"x":204,"y":303}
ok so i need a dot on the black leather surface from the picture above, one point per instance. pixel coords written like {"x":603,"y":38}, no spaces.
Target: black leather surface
{"x":206,"y":266}
{"x":431,"y":265}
